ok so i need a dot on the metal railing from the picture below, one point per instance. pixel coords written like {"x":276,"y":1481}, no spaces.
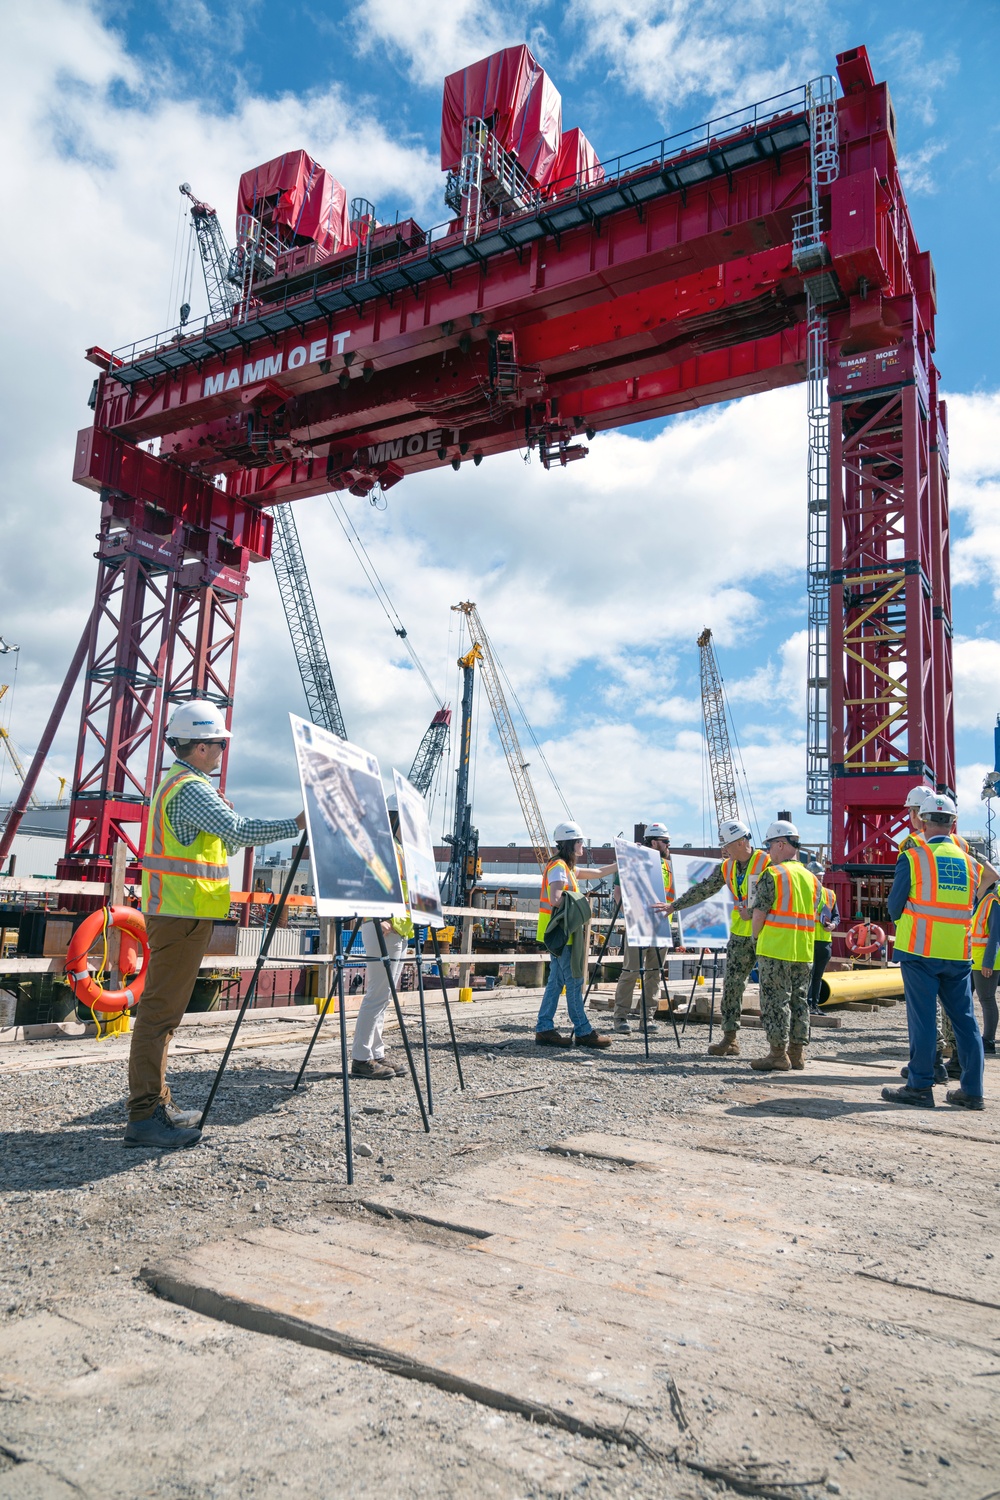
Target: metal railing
{"x":720,"y":139}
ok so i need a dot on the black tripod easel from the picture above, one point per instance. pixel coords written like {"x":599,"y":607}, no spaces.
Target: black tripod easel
{"x":642,"y":981}
{"x":341,"y":959}
{"x":694,"y":986}
{"x":447,"y":1007}
{"x":715,"y":976}
{"x":252,"y":986}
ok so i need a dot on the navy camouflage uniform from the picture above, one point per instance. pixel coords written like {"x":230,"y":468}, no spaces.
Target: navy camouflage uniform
{"x":784,"y":986}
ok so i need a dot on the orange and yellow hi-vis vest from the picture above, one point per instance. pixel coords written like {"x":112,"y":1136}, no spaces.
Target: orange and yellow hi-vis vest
{"x":545,"y":903}
{"x":935,"y":923}
{"x":790,"y":930}
{"x":739,"y":888}
{"x":981,"y":927}
{"x":182,"y":880}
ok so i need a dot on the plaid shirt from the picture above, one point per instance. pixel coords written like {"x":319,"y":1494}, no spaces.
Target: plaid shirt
{"x":198,"y":808}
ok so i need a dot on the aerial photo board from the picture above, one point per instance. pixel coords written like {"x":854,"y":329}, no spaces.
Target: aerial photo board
{"x":423,"y":886}
{"x":707,"y":924}
{"x":640,"y":875}
{"x":350,"y":841}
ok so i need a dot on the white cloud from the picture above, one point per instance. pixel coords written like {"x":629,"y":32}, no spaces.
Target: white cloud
{"x":915,"y":168}
{"x":977,"y":684}
{"x":782,"y":683}
{"x":672,"y":51}
{"x":433,"y":40}
{"x":917,"y":78}
{"x":973,"y":424}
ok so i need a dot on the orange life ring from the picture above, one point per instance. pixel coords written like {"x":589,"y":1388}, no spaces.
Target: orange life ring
{"x":134,"y":960}
{"x":859,"y":939}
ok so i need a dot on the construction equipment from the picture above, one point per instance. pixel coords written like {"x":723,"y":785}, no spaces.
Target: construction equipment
{"x":516,"y":763}
{"x":221,"y":282}
{"x":299,"y":605}
{"x":720,"y":753}
{"x":464,"y":838}
{"x":430,"y":750}
{"x":762,"y":249}
{"x":12,"y":754}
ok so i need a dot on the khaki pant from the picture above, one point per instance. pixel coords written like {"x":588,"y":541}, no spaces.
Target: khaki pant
{"x":644,"y":960}
{"x":176,"y":948}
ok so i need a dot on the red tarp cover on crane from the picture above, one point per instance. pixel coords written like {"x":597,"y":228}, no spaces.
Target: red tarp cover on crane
{"x":576,"y":165}
{"x":519,"y":102}
{"x":312,"y":204}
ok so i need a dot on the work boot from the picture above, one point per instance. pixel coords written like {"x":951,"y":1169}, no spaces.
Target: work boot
{"x":940,"y":1072}
{"x":376,"y":1068}
{"x":621,"y":1024}
{"x":776,"y":1060}
{"x":919,"y":1098}
{"x":962,"y":1100}
{"x":728,"y":1047}
{"x":592,"y":1039}
{"x":184,"y":1119}
{"x":400,"y":1069}
{"x":796,"y":1055}
{"x":953,"y":1067}
{"x":552,"y":1039}
{"x":159,"y":1133}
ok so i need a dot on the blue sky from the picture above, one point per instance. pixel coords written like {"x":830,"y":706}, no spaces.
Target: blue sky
{"x":676,"y":525}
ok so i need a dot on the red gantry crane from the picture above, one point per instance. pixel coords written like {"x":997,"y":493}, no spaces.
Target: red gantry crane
{"x":565,"y":296}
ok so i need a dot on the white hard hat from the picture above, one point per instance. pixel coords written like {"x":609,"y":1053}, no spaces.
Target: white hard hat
{"x":938,"y":802}
{"x":731,"y":831}
{"x":657,"y":831}
{"x":196,"y":720}
{"x":916,"y":796}
{"x":781,"y":829}
{"x":564,"y":832}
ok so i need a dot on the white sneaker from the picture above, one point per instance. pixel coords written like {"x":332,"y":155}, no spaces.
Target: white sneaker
{"x":184,"y":1119}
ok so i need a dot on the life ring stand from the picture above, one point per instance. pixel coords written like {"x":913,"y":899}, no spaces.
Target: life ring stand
{"x":134,"y":958}
{"x":860,"y":939}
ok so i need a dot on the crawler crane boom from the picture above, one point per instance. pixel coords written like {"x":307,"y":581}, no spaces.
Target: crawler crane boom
{"x":720,"y":754}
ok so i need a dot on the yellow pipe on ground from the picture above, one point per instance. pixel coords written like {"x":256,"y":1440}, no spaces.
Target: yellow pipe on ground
{"x":861,"y":984}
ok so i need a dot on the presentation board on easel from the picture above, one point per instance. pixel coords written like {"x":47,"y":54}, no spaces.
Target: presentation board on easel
{"x":351,"y":845}
{"x":423,"y":886}
{"x":640,"y":877}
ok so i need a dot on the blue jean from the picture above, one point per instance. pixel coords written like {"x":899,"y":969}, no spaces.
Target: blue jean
{"x":560,"y":976}
{"x":924,"y":979}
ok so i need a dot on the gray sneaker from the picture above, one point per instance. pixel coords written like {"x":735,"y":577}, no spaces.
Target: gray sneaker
{"x":184,"y":1119}
{"x":621,"y":1024}
{"x":160,"y":1133}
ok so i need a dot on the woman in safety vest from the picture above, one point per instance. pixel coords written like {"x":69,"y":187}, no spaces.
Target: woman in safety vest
{"x":185,"y":889}
{"x":985,"y":941}
{"x":558,"y":879}
{"x":931,"y":902}
{"x":783,"y":918}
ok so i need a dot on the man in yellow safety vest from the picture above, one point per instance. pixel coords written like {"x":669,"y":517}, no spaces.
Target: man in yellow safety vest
{"x":741,"y":868}
{"x":931,"y":902}
{"x":185,"y":888}
{"x":784,"y":911}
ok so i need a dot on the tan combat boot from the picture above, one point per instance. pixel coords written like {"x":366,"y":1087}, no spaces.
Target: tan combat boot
{"x":776,"y":1060}
{"x":796,"y":1054}
{"x":728,"y":1047}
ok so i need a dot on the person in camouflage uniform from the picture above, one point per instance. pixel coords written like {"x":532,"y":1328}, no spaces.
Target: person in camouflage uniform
{"x":784,"y":925}
{"x":741,"y":867}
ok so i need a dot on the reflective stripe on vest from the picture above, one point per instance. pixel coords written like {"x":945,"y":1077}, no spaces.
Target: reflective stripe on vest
{"x":182,"y":880}
{"x":981,"y":927}
{"x":739,"y":888}
{"x":545,"y":901}
{"x":935,"y":921}
{"x":789,"y":932}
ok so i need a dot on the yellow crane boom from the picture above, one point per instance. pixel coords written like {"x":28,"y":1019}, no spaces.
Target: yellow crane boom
{"x":8,"y":743}
{"x":516,"y":762}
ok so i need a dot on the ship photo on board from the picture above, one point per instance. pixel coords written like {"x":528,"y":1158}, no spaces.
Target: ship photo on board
{"x":350,"y":840}
{"x":423,"y":886}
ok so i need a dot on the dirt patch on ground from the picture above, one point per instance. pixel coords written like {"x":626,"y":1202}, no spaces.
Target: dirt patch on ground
{"x":832,"y":1256}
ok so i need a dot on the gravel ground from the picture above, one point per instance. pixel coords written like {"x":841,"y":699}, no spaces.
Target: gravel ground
{"x":105,"y":1390}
